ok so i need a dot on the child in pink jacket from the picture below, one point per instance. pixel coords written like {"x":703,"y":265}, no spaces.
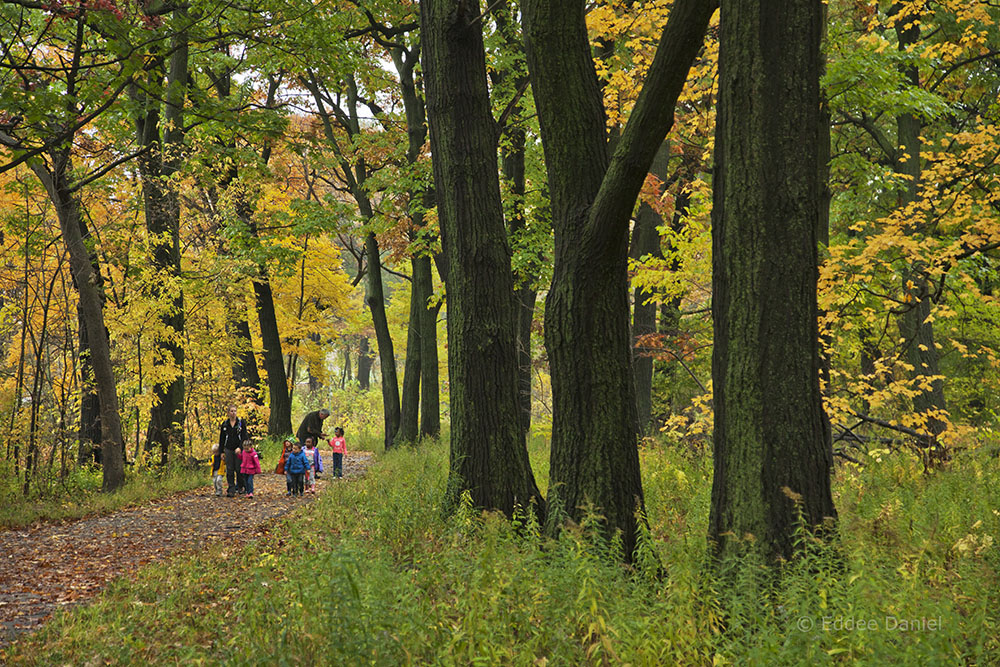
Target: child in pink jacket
{"x":249,"y":465}
{"x":339,"y":447}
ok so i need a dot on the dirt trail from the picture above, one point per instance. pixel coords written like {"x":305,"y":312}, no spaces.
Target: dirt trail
{"x":52,"y":566}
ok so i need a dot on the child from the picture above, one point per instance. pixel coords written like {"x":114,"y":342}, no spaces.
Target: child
{"x":311,"y":455}
{"x":286,"y":449}
{"x":296,"y":465}
{"x":218,"y":469}
{"x":249,"y":465}
{"x":339,"y":446}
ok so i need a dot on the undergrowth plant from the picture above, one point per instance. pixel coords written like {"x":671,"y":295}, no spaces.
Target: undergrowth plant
{"x":373,"y":573}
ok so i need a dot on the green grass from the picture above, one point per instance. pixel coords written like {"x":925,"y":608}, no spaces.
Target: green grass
{"x":79,"y":493}
{"x":371,"y":573}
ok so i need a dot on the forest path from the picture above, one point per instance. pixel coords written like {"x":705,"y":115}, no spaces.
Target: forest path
{"x":53,"y":566}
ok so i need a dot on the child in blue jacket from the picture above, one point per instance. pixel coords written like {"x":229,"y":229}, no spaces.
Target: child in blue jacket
{"x":296,"y":465}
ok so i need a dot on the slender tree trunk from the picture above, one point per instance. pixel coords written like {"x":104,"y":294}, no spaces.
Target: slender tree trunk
{"x":916,"y":329}
{"x":92,"y":309}
{"x":245,"y":372}
{"x":90,"y":409}
{"x":410,"y":400}
{"x":512,"y":154}
{"x":430,"y":402}
{"x":594,"y":459}
{"x":375,"y":298}
{"x":420,"y":379}
{"x":645,"y":241}
{"x":365,"y":362}
{"x":771,"y":459}
{"x":280,"y":421}
{"x":488,"y":458}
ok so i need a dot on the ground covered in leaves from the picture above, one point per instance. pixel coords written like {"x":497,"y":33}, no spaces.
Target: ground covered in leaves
{"x":51,"y":566}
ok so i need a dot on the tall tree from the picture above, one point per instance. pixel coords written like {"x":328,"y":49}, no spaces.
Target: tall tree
{"x":772,"y":463}
{"x":594,"y":457}
{"x":488,"y":457}
{"x":54,"y":96}
{"x":162,"y":159}
{"x":342,"y":109}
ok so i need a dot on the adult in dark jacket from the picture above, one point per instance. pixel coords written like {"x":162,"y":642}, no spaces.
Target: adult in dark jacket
{"x":312,"y":427}
{"x":232,"y":433}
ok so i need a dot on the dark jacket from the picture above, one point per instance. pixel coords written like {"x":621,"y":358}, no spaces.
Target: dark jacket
{"x":231,"y":437}
{"x":311,"y":427}
{"x":297,"y":463}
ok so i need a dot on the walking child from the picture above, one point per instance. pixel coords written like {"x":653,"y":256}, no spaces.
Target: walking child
{"x":249,"y":465}
{"x":312,"y":455}
{"x":286,"y":450}
{"x":218,"y":469}
{"x":339,"y":446}
{"x":296,"y":465}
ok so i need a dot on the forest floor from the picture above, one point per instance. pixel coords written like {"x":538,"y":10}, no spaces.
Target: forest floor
{"x":51,"y":566}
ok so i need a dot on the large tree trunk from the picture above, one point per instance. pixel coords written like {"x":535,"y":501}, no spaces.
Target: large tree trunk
{"x":92,"y":310}
{"x":594,"y":459}
{"x":162,"y":209}
{"x":772,"y":463}
{"x":488,"y":457}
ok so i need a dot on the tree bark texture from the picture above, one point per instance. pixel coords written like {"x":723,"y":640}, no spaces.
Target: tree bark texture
{"x":770,"y":455}
{"x":488,"y":456}
{"x":594,"y":459}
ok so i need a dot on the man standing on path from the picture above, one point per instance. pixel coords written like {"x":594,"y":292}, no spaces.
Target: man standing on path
{"x":312,"y":426}
{"x":231,"y":436}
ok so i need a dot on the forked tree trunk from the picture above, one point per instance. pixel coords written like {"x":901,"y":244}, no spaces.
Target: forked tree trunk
{"x":594,"y":460}
{"x":771,"y":457}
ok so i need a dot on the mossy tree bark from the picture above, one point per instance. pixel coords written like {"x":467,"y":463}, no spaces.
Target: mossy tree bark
{"x":771,"y":457}
{"x":488,"y":457}
{"x":594,"y":459}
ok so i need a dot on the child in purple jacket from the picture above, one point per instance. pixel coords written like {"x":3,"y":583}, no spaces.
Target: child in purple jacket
{"x":315,"y":465}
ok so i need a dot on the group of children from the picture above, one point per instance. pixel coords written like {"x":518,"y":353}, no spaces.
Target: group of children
{"x":298,"y":464}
